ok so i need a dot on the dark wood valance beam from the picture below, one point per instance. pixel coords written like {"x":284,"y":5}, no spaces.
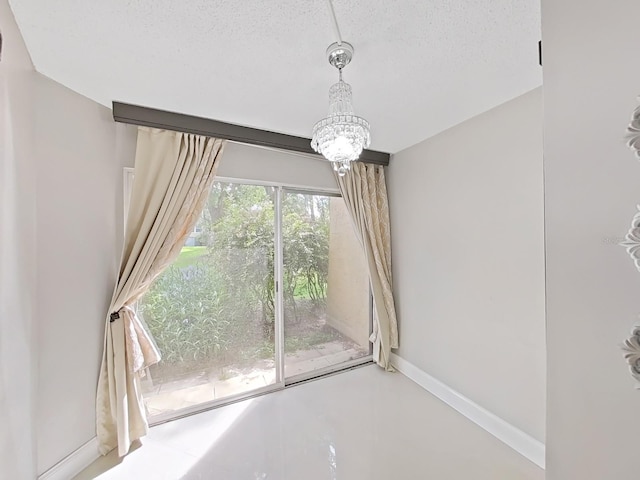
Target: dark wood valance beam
{"x":151,"y":117}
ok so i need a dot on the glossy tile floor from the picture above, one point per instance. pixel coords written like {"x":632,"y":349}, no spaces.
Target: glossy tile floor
{"x":364,"y":424}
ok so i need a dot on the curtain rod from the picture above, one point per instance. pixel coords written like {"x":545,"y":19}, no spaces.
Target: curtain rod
{"x":151,"y":117}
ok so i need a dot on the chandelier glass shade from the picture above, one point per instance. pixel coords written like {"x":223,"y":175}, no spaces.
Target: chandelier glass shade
{"x":341,"y":136}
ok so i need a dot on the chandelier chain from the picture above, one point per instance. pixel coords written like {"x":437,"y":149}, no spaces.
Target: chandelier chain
{"x":335,"y":21}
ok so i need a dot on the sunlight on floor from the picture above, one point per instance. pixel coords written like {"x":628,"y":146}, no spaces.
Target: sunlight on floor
{"x":200,"y":433}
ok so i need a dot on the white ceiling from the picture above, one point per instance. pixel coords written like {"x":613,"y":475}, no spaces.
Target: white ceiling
{"x":420,"y":66}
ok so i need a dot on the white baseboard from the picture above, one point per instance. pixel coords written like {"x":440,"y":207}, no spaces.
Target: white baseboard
{"x":520,"y":441}
{"x":74,"y":463}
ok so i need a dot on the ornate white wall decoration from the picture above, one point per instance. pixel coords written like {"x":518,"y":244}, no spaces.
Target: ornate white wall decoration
{"x":632,"y":353}
{"x":631,"y":345}
{"x":632,"y":239}
{"x":634,"y":132}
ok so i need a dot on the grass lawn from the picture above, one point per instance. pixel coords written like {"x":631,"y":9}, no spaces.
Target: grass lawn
{"x":189,"y":256}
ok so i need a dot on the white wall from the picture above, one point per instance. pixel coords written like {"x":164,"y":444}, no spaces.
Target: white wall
{"x":17,"y":260}
{"x":79,"y":185}
{"x":468,"y":261}
{"x":592,"y":185}
{"x":61,"y":161}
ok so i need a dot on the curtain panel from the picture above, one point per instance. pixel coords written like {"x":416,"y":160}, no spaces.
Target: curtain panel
{"x":174,"y":174}
{"x":364,"y":191}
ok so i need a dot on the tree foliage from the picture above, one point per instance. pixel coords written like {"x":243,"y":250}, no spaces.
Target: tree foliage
{"x":222,"y":307}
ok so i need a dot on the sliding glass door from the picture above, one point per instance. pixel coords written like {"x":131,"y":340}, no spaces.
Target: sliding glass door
{"x":211,"y":313}
{"x":270,"y":288}
{"x":325,"y":285}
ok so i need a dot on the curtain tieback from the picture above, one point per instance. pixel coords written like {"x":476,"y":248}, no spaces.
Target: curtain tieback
{"x":114,"y":316}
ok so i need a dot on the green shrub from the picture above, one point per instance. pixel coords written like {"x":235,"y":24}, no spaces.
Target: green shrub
{"x":194,"y":319}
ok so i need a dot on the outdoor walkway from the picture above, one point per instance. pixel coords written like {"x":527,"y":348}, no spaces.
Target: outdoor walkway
{"x":200,"y":388}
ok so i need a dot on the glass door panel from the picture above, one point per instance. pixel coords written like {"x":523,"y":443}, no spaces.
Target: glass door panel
{"x":325,"y":285}
{"x":212,"y":313}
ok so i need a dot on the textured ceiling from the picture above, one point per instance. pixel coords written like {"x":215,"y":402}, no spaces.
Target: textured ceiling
{"x":420,"y":66}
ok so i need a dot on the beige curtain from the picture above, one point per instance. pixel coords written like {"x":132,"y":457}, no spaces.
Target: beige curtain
{"x":365,"y":194}
{"x":173,"y":175}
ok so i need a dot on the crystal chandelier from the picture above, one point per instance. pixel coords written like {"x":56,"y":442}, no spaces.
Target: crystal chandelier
{"x":341,"y":136}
